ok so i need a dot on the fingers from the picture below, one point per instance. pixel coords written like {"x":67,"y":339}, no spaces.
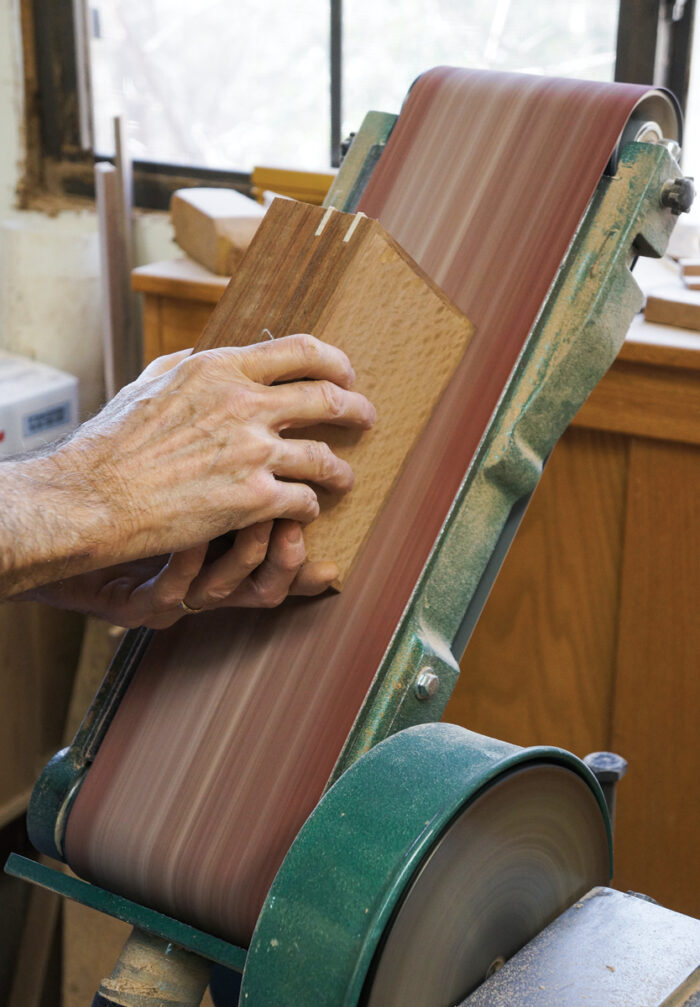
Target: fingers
{"x":305,"y":403}
{"x":269,"y":585}
{"x":266,"y":564}
{"x":170,"y":586}
{"x":285,"y":556}
{"x":314,"y":578}
{"x":313,"y":461}
{"x":275,"y":498}
{"x":293,"y":357}
{"x":220,"y":579}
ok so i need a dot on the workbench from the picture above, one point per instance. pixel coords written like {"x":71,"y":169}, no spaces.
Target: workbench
{"x":590,"y":639}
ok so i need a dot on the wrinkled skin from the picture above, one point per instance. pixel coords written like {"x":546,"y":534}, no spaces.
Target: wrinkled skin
{"x":118,"y":519}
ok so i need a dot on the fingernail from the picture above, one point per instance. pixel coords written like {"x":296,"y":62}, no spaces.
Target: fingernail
{"x":294,"y":534}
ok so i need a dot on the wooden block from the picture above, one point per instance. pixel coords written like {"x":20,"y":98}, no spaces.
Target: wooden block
{"x":307,"y":186}
{"x":689,"y":267}
{"x":342,"y":278}
{"x":215,"y":226}
{"x":181,"y":278}
{"x":672,"y":305}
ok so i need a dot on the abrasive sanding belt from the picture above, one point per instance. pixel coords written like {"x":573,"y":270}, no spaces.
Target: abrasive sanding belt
{"x":232,"y":725}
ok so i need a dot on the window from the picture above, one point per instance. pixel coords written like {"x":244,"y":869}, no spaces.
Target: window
{"x":237,"y":85}
{"x":209,"y":90}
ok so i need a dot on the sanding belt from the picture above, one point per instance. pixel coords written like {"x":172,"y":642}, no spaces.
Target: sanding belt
{"x":230,"y":729}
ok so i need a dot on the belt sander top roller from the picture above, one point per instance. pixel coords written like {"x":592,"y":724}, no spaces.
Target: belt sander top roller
{"x":272,"y":790}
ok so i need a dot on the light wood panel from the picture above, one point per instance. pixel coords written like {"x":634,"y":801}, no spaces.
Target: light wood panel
{"x":657,"y":696}
{"x":646,"y":401}
{"x":38,"y":655}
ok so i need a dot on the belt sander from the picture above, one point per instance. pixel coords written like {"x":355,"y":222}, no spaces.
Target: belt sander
{"x":272,"y":790}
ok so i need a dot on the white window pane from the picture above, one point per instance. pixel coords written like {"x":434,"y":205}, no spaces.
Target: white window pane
{"x":214,"y":83}
{"x":387,"y":45}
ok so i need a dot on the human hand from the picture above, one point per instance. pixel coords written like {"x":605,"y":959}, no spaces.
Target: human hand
{"x":185,"y":454}
{"x":264,"y":565}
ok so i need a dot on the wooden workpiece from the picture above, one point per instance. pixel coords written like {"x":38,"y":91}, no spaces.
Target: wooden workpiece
{"x":214,"y":226}
{"x":674,"y":305}
{"x":341,"y":277}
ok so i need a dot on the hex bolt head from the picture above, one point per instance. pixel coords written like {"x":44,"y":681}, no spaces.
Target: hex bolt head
{"x":426,"y":684}
{"x":678,"y":195}
{"x":607,"y":767}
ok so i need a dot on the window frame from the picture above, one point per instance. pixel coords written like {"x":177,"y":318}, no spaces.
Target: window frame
{"x":60,"y":163}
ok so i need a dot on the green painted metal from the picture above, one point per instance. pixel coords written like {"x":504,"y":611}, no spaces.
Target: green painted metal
{"x":360,"y":161}
{"x":207,"y":946}
{"x":575,"y":339}
{"x":344,"y":874}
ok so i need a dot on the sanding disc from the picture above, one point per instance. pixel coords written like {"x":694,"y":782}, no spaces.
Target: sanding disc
{"x":515,"y":858}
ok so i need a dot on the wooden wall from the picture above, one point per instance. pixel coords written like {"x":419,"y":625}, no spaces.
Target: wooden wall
{"x":591,"y":640}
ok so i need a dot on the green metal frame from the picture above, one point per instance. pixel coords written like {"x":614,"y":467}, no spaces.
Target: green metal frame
{"x":182,"y":934}
{"x":357,"y":852}
{"x":575,"y":339}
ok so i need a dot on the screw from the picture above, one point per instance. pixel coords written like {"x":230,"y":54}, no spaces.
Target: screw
{"x":426,"y":684}
{"x":678,"y":195}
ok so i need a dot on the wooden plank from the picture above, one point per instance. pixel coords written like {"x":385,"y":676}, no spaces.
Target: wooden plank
{"x":114,"y":305}
{"x":180,"y":278}
{"x":342,"y":277}
{"x":540,"y":666}
{"x":674,"y":305}
{"x":657,"y":694}
{"x":309,"y":186}
{"x":645,"y":401}
{"x":214,"y":226}
{"x":132,"y":348}
{"x":661,"y":345}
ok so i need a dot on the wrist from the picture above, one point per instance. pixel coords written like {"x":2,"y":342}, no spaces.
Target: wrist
{"x":54,"y":524}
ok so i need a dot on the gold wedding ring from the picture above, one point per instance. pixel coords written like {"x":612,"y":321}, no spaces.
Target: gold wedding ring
{"x":186,"y":608}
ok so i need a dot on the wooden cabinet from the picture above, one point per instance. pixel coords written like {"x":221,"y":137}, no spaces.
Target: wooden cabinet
{"x":591,"y":637}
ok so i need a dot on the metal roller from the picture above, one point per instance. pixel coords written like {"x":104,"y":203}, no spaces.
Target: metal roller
{"x":514,"y":859}
{"x":656,"y":118}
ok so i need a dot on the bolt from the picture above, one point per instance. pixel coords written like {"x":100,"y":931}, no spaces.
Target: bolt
{"x":607,"y":767}
{"x":426,"y":684}
{"x":678,"y":195}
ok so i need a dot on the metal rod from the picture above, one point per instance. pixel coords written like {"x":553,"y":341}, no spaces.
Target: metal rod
{"x":152,"y":971}
{"x":336,"y":28}
{"x":608,"y":769}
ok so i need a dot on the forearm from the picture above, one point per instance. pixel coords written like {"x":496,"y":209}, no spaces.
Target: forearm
{"x":53,"y":524}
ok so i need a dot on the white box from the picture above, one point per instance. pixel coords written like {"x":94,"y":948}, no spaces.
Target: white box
{"x":38,"y":404}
